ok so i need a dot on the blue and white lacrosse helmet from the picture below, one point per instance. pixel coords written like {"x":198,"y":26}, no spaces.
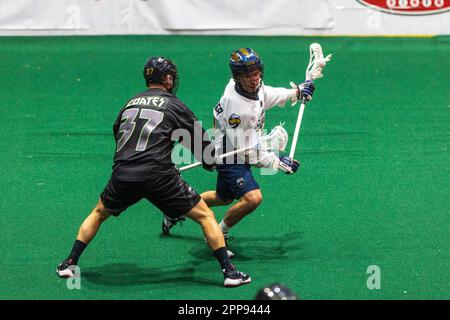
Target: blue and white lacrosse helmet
{"x":244,"y":61}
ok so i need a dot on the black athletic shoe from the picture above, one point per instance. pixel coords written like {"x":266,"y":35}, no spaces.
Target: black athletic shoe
{"x":235,"y":278}
{"x":66,"y":269}
{"x":168,"y":223}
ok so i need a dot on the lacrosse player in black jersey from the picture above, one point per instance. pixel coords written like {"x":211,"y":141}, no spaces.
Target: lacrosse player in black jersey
{"x":143,"y":167}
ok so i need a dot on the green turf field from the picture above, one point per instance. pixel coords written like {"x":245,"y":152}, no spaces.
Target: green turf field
{"x":374,"y":187}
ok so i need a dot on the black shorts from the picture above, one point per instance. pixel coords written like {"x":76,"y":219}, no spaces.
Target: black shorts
{"x":169,"y":193}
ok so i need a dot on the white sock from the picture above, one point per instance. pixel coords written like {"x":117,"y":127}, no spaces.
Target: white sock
{"x":224,"y":227}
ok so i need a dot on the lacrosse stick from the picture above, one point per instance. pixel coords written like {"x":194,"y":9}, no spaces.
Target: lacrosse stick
{"x":313,"y":72}
{"x":277,"y":139}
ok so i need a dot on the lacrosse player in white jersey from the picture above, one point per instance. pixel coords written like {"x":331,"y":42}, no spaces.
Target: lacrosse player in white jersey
{"x":238,"y":123}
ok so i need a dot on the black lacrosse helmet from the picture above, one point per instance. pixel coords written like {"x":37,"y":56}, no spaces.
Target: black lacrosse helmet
{"x":157,"y":68}
{"x":276,"y":291}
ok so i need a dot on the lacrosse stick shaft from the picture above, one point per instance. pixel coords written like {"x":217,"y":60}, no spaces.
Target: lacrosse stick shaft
{"x":314,"y":71}
{"x":190,"y":166}
{"x":276,"y":139}
{"x":297,"y":130}
{"x":197,"y":164}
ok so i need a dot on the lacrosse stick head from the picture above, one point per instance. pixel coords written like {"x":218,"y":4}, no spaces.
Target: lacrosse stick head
{"x":277,"y":139}
{"x":316,"y":62}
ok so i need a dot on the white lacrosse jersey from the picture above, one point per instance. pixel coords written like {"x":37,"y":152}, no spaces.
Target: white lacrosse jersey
{"x":239,"y":122}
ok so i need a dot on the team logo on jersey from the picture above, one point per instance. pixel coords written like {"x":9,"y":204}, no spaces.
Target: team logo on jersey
{"x":408,"y":7}
{"x":240,"y":182}
{"x":234,"y":120}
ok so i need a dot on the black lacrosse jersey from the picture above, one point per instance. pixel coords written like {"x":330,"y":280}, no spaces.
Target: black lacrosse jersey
{"x":143,"y":131}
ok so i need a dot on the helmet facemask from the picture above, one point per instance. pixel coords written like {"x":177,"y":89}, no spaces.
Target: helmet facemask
{"x":247,"y":70}
{"x":249,"y":82}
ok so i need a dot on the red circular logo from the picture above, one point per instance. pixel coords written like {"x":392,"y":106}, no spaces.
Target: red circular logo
{"x":408,"y":7}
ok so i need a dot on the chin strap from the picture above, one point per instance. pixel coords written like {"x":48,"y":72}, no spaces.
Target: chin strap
{"x":252,"y":96}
